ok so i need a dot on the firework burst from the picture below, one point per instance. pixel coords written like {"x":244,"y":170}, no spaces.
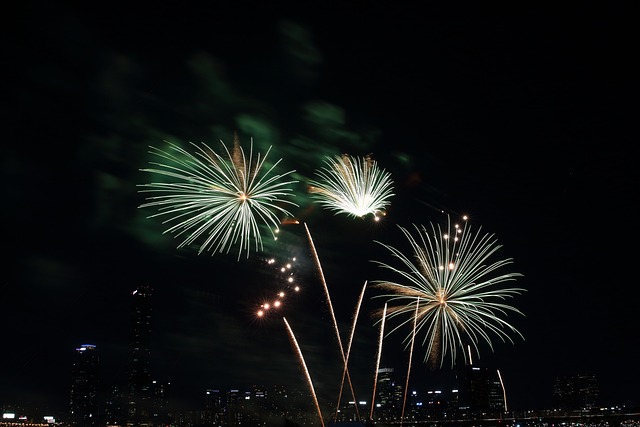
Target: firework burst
{"x":451,"y":294}
{"x":355,"y":186}
{"x":226,"y":201}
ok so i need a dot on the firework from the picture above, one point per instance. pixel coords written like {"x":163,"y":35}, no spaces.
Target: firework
{"x":286,"y":283}
{"x":294,"y":341}
{"x":378,"y":357}
{"x":227,"y":201}
{"x":345,"y":372}
{"x":332,"y":312}
{"x":413,"y":339}
{"x":451,"y":280}
{"x":352,"y":185}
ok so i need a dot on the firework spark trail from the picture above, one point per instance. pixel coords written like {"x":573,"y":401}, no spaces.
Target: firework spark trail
{"x":226,"y":200}
{"x":375,"y":376}
{"x":504,"y":392}
{"x":333,"y":316}
{"x":306,"y":371}
{"x":344,"y":372}
{"x":459,"y":299}
{"x":413,"y":338}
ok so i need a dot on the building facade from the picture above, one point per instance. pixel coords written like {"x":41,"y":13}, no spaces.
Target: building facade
{"x":575,"y":392}
{"x":480,"y":391}
{"x":139,"y":388}
{"x":83,"y":401}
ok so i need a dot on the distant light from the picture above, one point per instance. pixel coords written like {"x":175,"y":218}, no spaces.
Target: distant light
{"x":8,"y":415}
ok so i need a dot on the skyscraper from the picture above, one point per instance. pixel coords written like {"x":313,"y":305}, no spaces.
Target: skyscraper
{"x":83,"y":402}
{"x":480,"y":390}
{"x":139,"y":397}
{"x":390,"y":396}
{"x":573,"y":392}
{"x":214,"y":407}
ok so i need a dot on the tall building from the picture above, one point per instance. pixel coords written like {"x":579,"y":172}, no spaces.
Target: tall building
{"x":480,"y":390}
{"x":83,"y":402}
{"x":214,"y":407}
{"x":390,"y":396}
{"x":575,"y":392}
{"x":139,"y":392}
{"x":113,"y":410}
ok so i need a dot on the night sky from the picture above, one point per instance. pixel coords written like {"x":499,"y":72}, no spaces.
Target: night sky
{"x":519,"y":117}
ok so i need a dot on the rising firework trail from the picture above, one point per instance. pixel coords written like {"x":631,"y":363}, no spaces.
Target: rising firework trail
{"x":378,"y":356}
{"x":346,"y":363}
{"x":306,"y":371}
{"x":413,"y":339}
{"x":504,"y":392}
{"x":352,"y":185}
{"x":225,"y":200}
{"x":333,"y":316}
{"x":451,"y":278}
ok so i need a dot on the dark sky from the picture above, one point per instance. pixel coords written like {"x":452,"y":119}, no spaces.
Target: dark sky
{"x":518,"y":116}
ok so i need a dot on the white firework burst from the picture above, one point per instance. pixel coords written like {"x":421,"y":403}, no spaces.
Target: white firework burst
{"x":223,"y":200}
{"x":451,"y":292}
{"x":352,"y":185}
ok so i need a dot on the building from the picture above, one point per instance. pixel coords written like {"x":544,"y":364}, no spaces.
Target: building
{"x":390,"y":396}
{"x":575,"y":392}
{"x":480,"y":391}
{"x":214,"y":407}
{"x":83,"y":401}
{"x":139,"y":405}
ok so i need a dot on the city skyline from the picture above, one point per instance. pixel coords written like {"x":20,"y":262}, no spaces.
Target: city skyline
{"x":518,"y":118}
{"x":88,"y":383}
{"x":478,"y":393}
